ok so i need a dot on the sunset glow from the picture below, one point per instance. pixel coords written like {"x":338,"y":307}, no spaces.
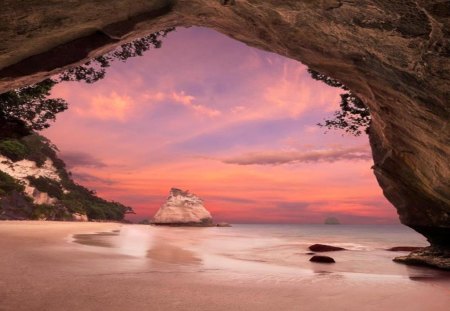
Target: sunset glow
{"x":234,"y":125}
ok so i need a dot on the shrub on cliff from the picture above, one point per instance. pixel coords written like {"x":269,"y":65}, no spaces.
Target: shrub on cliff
{"x":8,"y":184}
{"x":353,"y":117}
{"x":13,"y":149}
{"x":39,"y":149}
{"x":31,"y":105}
{"x":50,"y":186}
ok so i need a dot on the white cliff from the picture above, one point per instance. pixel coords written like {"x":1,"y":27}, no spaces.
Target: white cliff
{"x":182,"y":208}
{"x":20,"y":170}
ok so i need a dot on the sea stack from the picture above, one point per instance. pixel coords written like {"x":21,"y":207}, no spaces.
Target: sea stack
{"x":331,"y":221}
{"x":183,"y":209}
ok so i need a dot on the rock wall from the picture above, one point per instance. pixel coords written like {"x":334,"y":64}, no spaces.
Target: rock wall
{"x":394,"y":54}
{"x":20,"y":170}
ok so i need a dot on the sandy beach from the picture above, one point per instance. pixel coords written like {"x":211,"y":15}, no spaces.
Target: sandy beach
{"x":41,"y":268}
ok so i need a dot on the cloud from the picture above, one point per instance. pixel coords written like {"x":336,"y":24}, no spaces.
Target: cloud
{"x":183,"y":99}
{"x":109,"y":107}
{"x":81,"y":159}
{"x":188,"y":101}
{"x":288,"y":157}
{"x":88,"y":178}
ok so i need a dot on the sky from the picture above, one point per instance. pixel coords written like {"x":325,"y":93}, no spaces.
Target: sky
{"x":232,"y":124}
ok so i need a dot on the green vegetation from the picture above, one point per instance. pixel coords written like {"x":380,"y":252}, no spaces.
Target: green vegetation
{"x":31,"y":105}
{"x":30,"y":108}
{"x":71,"y":197}
{"x":354,"y":116}
{"x":95,"y":69}
{"x":13,"y":149}
{"x":50,"y":186}
{"x":8,"y":184}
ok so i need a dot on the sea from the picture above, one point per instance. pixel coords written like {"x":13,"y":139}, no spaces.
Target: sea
{"x":271,"y":252}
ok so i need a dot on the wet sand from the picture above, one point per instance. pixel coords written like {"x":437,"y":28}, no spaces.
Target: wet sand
{"x":42,"y":269}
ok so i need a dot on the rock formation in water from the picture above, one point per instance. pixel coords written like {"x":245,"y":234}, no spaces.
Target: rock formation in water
{"x":325,"y":248}
{"x":392,"y":54}
{"x":322,"y":259}
{"x":182,"y":208}
{"x":331,"y":221}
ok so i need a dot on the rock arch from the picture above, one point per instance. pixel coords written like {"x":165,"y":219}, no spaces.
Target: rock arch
{"x":394,"y":54}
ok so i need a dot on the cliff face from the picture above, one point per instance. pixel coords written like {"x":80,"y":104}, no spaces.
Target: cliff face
{"x":34,"y":184}
{"x":393,"y":54}
{"x":182,"y":208}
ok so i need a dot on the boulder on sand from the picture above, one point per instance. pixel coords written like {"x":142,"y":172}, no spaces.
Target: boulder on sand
{"x":322,"y":259}
{"x":183,"y":209}
{"x":223,"y":224}
{"x":325,"y":248}
{"x":404,"y":248}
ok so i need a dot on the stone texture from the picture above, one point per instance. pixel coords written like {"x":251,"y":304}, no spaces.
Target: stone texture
{"x":182,"y":208}
{"x":325,"y":248}
{"x":80,"y":217}
{"x":322,"y":259}
{"x":394,"y":54}
{"x":428,"y":256}
{"x":404,"y":248}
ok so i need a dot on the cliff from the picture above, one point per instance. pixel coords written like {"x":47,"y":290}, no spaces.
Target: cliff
{"x":34,"y":184}
{"x":183,"y":208}
{"x":394,"y":55}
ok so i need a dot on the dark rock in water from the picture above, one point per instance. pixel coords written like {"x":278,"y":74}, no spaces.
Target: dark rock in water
{"x":404,"y":248}
{"x":322,"y":259}
{"x":325,"y":248}
{"x":223,"y":224}
{"x":331,"y":221}
{"x":427,"y":256}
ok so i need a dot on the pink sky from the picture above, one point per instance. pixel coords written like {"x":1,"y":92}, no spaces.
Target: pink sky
{"x":234,"y":125}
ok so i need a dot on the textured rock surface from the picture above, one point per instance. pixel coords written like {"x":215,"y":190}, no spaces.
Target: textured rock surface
{"x":182,"y":208}
{"x":394,"y":54}
{"x":325,"y":248}
{"x":79,"y":217}
{"x":20,"y":170}
{"x":404,"y":248}
{"x":428,"y":256}
{"x":322,"y":259}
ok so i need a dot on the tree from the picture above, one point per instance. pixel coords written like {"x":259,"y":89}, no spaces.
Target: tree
{"x":30,"y":109}
{"x":31,"y":106}
{"x":354,"y":116}
{"x":95,"y":69}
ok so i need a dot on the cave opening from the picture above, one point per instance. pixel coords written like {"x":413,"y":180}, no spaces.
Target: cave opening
{"x":234,"y":124}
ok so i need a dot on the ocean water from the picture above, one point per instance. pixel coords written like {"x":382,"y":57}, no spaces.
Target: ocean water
{"x":264,"y":251}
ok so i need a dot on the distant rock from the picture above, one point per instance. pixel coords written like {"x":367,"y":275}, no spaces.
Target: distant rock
{"x":325,"y":248}
{"x":223,"y":224}
{"x":79,"y":217}
{"x":322,"y":259}
{"x":331,"y":221}
{"x":404,"y":248}
{"x":183,"y":209}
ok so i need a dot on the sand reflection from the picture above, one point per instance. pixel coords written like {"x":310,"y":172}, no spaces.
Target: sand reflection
{"x":168,"y":253}
{"x":140,"y":243}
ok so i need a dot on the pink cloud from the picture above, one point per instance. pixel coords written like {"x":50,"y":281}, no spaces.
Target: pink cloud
{"x":107,"y":107}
